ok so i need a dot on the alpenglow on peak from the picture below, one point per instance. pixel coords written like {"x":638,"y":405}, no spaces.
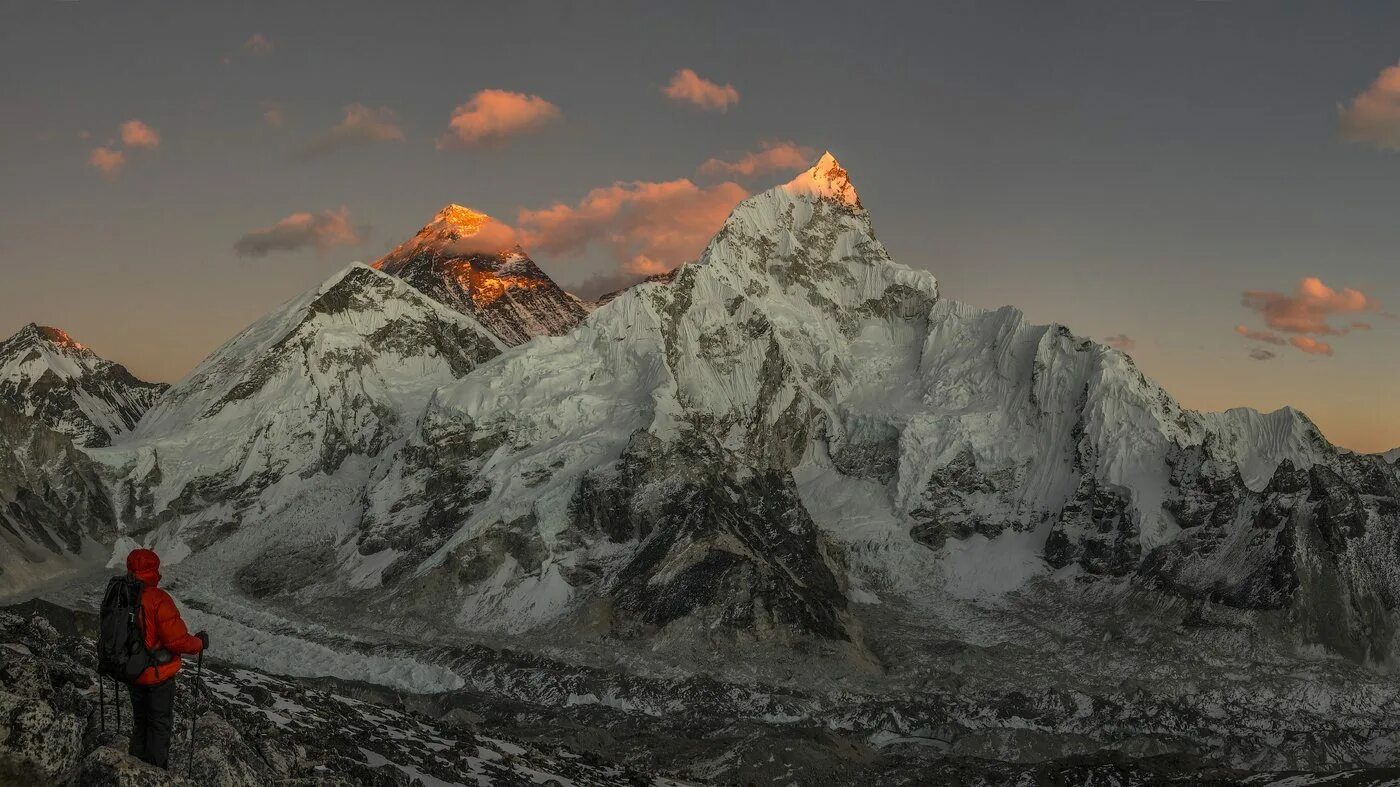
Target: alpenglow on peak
{"x":826,"y":179}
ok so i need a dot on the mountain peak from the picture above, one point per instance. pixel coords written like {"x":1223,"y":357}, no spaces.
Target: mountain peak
{"x":826,"y":179}
{"x":468,"y":220}
{"x":35,"y":333}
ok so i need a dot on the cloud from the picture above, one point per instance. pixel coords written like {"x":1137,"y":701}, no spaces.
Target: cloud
{"x":495,"y":115}
{"x":107,"y":160}
{"x":1374,"y":115}
{"x":491,"y":237}
{"x":690,"y":87}
{"x":136,"y":134}
{"x":1309,"y":345}
{"x":274,"y":116}
{"x":1308,"y":309}
{"x":1268,"y":337}
{"x":1260,"y":354}
{"x":647,"y":227}
{"x":321,"y":231}
{"x":361,"y":125}
{"x":1121,"y":342}
{"x":773,"y":156}
{"x":258,"y":44}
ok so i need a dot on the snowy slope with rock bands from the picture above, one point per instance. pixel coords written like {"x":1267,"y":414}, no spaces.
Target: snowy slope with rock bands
{"x":291,"y":409}
{"x":47,"y":375}
{"x":458,"y":260}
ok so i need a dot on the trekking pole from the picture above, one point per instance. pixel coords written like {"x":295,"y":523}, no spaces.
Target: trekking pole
{"x":102,"y":701}
{"x":194,"y":715}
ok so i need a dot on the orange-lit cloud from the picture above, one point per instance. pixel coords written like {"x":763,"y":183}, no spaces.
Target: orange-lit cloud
{"x":690,"y":87}
{"x":491,"y":237}
{"x":361,"y":125}
{"x":773,"y":156}
{"x":107,"y":160}
{"x":258,"y":44}
{"x":1121,"y":341}
{"x":136,"y":134}
{"x":648,"y":227}
{"x":1374,"y":115}
{"x":1309,"y":308}
{"x":1268,"y":337}
{"x":274,"y":116}
{"x":322,"y":231}
{"x":1310,"y":345}
{"x":495,"y":115}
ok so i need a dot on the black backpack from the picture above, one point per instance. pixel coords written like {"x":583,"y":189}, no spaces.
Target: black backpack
{"x":121,"y":632}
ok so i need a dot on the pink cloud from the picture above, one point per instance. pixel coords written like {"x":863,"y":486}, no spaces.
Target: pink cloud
{"x":258,"y":44}
{"x":1309,"y":308}
{"x":1309,"y":345}
{"x":648,"y":227}
{"x":690,"y":87}
{"x":1374,"y":115}
{"x":324,"y":230}
{"x":491,"y":237}
{"x":772,"y":157}
{"x":136,"y":134}
{"x":1121,"y":342}
{"x":1268,"y":337}
{"x":107,"y":160}
{"x":495,"y":115}
{"x":361,"y":125}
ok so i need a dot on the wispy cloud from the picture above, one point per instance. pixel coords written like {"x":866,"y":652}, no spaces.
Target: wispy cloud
{"x":691,"y":88}
{"x":107,"y":160}
{"x":1121,"y":341}
{"x":1268,"y":337}
{"x":361,"y":125}
{"x":1261,"y":354}
{"x":322,"y":231}
{"x":1374,"y":115}
{"x":136,"y":134}
{"x":274,"y":116}
{"x":1310,"y":345}
{"x":771,"y":157}
{"x":494,"y":116}
{"x":647,"y":227}
{"x":258,"y":44}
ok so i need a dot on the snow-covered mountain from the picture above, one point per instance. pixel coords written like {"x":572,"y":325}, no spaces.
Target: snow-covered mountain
{"x":796,"y":423}
{"x":273,"y":417}
{"x":47,"y":375}
{"x":463,"y":259}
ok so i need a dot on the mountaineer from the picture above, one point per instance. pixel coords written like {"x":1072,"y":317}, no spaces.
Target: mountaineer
{"x":140,"y":639}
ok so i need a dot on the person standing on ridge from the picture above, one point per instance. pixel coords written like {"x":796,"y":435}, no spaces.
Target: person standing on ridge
{"x":153,"y":693}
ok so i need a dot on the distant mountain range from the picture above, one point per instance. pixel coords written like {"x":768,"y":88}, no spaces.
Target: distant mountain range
{"x":793,"y":450}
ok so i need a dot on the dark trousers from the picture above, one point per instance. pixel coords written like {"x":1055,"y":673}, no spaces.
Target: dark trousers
{"x":153,"y":714}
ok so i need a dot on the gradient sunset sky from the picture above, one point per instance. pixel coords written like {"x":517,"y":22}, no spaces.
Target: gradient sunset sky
{"x":1211,"y":185}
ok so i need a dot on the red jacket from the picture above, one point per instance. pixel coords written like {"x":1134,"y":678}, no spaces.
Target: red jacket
{"x":164,"y":627}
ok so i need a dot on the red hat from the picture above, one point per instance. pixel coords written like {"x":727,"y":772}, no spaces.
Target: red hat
{"x":144,"y":564}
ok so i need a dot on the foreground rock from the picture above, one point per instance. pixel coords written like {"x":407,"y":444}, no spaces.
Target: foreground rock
{"x":252,"y":729}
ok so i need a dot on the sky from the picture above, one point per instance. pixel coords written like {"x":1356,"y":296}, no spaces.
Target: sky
{"x":1209,"y":185}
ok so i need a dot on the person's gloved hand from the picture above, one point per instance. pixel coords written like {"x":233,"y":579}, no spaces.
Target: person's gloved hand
{"x":203,"y":637}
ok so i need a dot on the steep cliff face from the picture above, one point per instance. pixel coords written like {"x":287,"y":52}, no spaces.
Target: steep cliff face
{"x":47,"y":375}
{"x":462,"y":259}
{"x":54,"y":508}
